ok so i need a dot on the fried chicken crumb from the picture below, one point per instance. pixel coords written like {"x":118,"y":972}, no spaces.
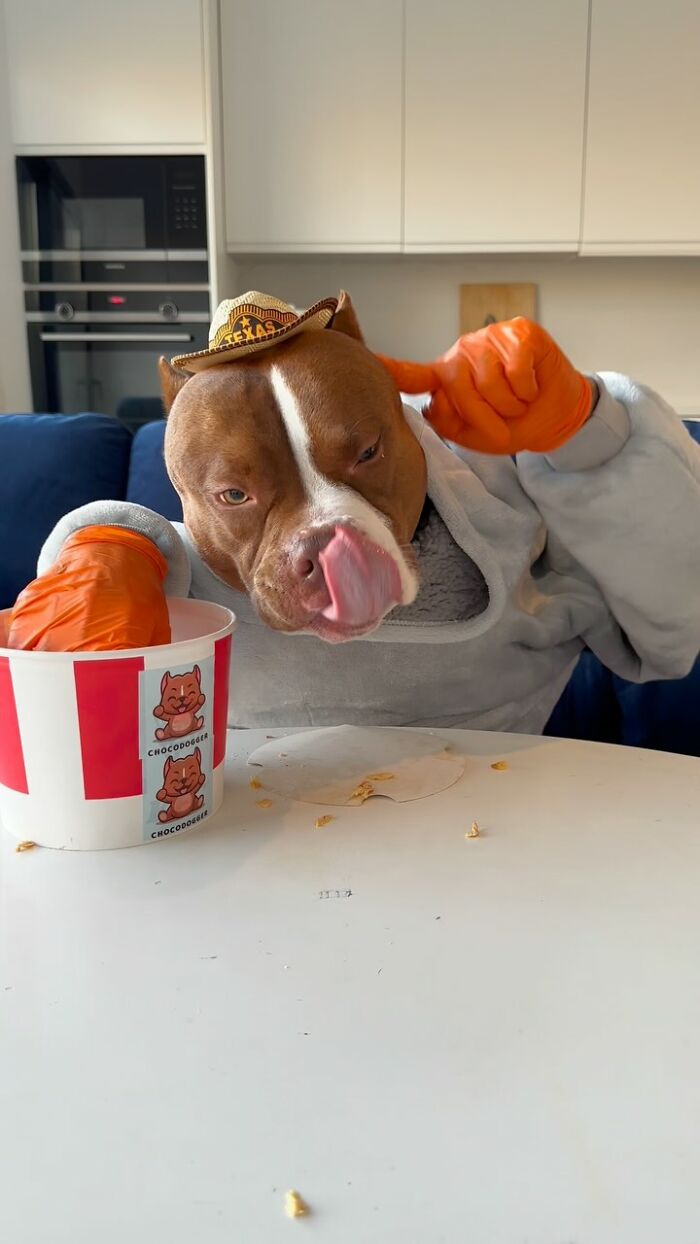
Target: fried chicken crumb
{"x":362,"y":792}
{"x":295,"y":1206}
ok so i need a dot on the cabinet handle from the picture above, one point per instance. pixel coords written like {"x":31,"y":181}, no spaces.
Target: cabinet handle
{"x":117,"y":337}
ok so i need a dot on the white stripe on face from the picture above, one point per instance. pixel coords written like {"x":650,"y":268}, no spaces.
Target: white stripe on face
{"x":335,"y":503}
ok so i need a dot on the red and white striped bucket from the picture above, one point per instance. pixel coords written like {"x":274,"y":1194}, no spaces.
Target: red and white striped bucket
{"x":113,"y":749}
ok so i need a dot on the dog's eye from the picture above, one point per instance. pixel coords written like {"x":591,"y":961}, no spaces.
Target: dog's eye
{"x":370,"y":453}
{"x":233,"y":496}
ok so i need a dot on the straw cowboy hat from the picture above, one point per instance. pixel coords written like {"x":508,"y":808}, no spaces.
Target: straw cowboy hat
{"x":253,"y":322}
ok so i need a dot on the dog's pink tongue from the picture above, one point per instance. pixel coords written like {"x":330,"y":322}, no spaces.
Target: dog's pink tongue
{"x":362,"y":579}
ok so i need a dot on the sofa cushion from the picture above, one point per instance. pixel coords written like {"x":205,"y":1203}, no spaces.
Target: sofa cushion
{"x":600,"y":706}
{"x":52,"y":464}
{"x":663,"y":715}
{"x":134,"y":412}
{"x":588,"y":708}
{"x":148,"y":479}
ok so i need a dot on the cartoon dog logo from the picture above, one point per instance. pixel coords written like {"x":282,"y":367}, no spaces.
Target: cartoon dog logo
{"x":180,"y":697}
{"x":182,"y":779}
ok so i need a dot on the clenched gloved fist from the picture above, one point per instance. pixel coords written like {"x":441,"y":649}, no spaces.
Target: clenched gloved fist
{"x":104,"y":592}
{"x":501,"y":390}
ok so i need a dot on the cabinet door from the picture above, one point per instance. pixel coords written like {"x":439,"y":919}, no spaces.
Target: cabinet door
{"x":312,"y":101}
{"x":83,"y":72}
{"x":643,"y":150}
{"x":495,"y":94}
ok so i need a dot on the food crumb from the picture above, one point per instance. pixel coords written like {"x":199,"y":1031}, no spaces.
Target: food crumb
{"x":500,"y":765}
{"x":255,"y":783}
{"x":25,"y":846}
{"x":263,"y":803}
{"x":362,"y":792}
{"x":295,"y":1206}
{"x":474,"y":832}
{"x":322,"y":821}
{"x":380,"y":777}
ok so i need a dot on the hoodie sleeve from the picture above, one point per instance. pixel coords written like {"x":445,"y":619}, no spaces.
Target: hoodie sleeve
{"x":622,"y":500}
{"x":136,"y":518}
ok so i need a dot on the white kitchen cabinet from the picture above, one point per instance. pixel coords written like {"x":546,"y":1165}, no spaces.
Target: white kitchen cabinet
{"x":93,"y":73}
{"x":312,"y":124}
{"x":643,"y":153}
{"x":495,"y":94}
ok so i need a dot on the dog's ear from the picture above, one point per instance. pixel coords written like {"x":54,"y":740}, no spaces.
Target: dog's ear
{"x":171,"y":381}
{"x":345,"y":320}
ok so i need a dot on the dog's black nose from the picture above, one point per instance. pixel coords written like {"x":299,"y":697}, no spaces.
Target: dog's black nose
{"x":308,"y":545}
{"x":307,"y":568}
{"x":303,"y":566}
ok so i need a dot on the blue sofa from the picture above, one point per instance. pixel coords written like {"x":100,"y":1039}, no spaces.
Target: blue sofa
{"x":51,"y":464}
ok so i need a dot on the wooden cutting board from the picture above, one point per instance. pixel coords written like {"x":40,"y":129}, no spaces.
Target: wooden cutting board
{"x":485,"y":304}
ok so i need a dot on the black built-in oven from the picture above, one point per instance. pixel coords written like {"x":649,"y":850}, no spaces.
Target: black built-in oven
{"x":115,"y":266}
{"x":94,"y":206}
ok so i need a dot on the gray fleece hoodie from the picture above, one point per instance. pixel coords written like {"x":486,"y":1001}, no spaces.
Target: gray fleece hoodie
{"x":597,"y":545}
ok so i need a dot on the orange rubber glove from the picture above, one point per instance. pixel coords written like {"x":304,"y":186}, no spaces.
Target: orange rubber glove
{"x":505,"y":388}
{"x":104,"y":592}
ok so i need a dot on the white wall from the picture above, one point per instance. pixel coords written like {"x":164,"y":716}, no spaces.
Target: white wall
{"x":14,"y":375}
{"x":640,"y":316}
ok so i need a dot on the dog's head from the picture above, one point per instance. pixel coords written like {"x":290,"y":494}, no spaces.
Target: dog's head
{"x":180,"y":693}
{"x":182,"y":775}
{"x":300,"y":480}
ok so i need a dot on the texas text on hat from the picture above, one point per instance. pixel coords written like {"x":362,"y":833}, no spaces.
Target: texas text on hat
{"x":254,"y":322}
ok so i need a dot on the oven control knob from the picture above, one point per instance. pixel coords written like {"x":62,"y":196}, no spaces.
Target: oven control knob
{"x":168,"y":310}
{"x":65,"y":310}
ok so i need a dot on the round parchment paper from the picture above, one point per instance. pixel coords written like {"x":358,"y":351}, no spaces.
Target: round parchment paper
{"x":345,"y":765}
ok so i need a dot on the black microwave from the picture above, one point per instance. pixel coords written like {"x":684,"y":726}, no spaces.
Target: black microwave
{"x":102,"y":208}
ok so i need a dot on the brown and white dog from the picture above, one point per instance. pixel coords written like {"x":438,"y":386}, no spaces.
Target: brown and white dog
{"x":300,"y":480}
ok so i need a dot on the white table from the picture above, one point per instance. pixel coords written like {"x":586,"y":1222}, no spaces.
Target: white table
{"x":490,"y":1041}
